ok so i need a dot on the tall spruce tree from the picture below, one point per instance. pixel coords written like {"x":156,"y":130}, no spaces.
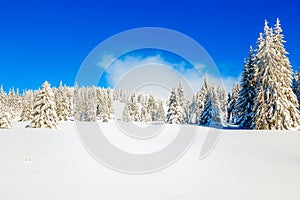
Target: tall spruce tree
{"x":198,"y":102}
{"x":275,"y":105}
{"x":246,"y":95}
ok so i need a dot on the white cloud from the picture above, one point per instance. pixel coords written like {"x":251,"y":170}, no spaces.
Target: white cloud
{"x":119,"y":67}
{"x":106,"y":60}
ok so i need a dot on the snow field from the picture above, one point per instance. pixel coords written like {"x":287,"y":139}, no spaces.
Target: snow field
{"x":52,"y":164}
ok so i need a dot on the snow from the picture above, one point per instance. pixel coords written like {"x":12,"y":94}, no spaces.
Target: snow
{"x":52,"y":164}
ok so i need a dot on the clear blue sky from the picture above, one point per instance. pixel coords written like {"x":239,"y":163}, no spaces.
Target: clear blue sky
{"x":48,"y":40}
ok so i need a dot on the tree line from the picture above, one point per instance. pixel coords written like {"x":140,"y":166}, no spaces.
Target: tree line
{"x":267,"y":97}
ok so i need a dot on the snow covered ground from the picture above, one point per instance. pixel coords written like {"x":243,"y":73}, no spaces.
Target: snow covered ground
{"x":52,"y":164}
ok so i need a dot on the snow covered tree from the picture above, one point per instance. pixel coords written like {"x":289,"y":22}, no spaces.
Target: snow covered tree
{"x":131,"y":110}
{"x":175,"y":111}
{"x":27,"y":101}
{"x":160,"y":114}
{"x":85,"y":106}
{"x":26,"y":113}
{"x":152,"y":108}
{"x":5,"y":117}
{"x":194,"y":111}
{"x":126,"y":113}
{"x":13,"y":103}
{"x":246,"y":95}
{"x":109,"y":100}
{"x":232,"y":113}
{"x":221,"y":95}
{"x":120,"y":95}
{"x":104,"y":105}
{"x":5,"y":120}
{"x":197,"y":104}
{"x":3,"y":100}
{"x":183,"y":102}
{"x":141,"y":99}
{"x":211,"y":115}
{"x":63,"y":106}
{"x":296,"y":85}
{"x":276,"y":104}
{"x":44,"y":110}
{"x":229,"y":108}
{"x":145,"y":116}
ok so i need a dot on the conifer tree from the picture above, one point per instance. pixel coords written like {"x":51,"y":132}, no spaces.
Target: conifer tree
{"x":134,"y":109}
{"x":3,"y":100}
{"x":109,"y":100}
{"x":63,"y":108}
{"x":221,"y":95}
{"x":85,"y":106}
{"x":145,"y":116}
{"x":183,"y":102}
{"x":198,"y":102}
{"x":126,"y":113}
{"x":160,"y":114}
{"x":44,"y":109}
{"x":231,"y":108}
{"x":13,"y":103}
{"x":296,"y":85}
{"x":104,"y":105}
{"x":27,"y":99}
{"x":194,"y":111}
{"x":276,"y":104}
{"x":152,"y":108}
{"x":211,"y":115}
{"x":5,"y":120}
{"x":175,"y":111}
{"x":246,"y":95}
{"x":131,"y":110}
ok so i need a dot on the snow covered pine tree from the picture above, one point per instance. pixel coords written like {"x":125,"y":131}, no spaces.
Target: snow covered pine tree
{"x":232,"y":114}
{"x":246,"y":95}
{"x":5,"y":117}
{"x":183,"y":102}
{"x":5,"y":120}
{"x":175,"y":111}
{"x":27,"y":100}
{"x":63,"y":108}
{"x":276,"y":104}
{"x":212,"y":114}
{"x":296,"y":85}
{"x":44,"y":109}
{"x":198,"y":102}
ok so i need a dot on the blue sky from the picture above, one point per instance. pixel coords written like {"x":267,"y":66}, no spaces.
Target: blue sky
{"x":48,"y":40}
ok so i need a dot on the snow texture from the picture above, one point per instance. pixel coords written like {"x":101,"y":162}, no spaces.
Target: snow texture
{"x":52,"y":164}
